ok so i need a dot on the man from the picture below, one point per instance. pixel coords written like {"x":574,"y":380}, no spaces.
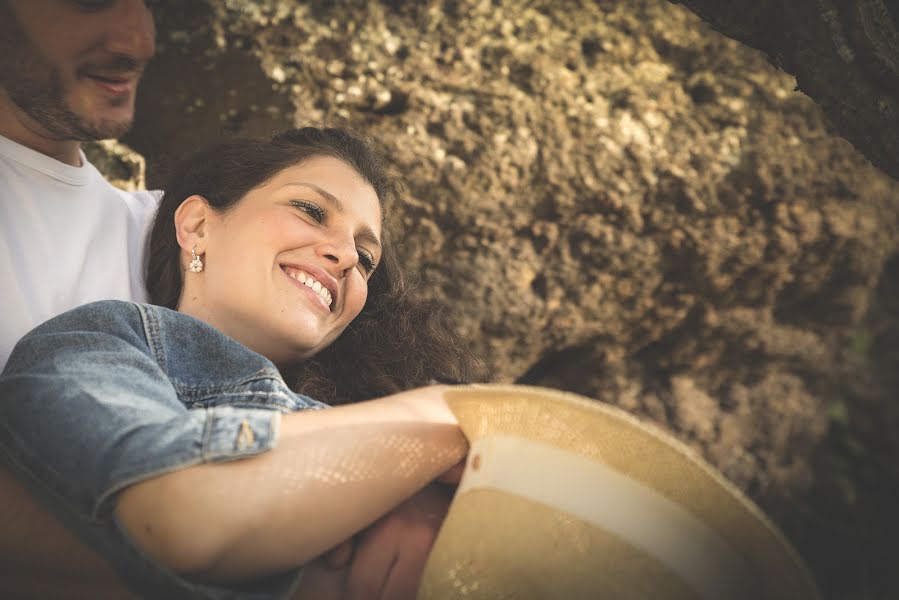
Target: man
{"x":68,"y":75}
{"x":69,"y":71}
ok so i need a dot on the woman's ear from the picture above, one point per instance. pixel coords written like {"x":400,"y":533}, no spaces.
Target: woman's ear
{"x":191,"y":224}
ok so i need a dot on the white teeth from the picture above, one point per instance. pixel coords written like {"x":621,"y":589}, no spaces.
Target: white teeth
{"x":310,"y":282}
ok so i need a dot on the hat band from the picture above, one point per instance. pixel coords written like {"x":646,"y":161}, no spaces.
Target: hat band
{"x":595,"y":493}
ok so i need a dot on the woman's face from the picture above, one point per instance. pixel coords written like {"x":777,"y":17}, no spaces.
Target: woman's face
{"x":287,"y":267}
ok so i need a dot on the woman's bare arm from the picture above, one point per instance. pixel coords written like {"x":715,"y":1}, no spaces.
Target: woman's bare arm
{"x":332,"y":473}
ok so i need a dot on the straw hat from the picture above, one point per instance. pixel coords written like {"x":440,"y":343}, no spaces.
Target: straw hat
{"x":565,"y":497}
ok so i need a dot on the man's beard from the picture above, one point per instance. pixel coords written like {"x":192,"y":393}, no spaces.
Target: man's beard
{"x":44,"y":102}
{"x":36,"y":87}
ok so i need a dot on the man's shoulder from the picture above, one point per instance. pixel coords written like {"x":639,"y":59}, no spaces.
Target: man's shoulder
{"x":152,"y":196}
{"x":109,"y":184}
{"x":142,"y":197}
{"x":147,"y":199}
{"x":142,"y":204}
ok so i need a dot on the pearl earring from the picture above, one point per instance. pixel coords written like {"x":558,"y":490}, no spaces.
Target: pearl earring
{"x":196,"y":265}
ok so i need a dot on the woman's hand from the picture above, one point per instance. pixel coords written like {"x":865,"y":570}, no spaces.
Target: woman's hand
{"x":363,"y":566}
{"x":386,"y":561}
{"x":390,"y":555}
{"x":321,"y":582}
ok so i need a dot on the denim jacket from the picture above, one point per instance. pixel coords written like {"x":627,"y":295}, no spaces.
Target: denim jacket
{"x":113,"y":393}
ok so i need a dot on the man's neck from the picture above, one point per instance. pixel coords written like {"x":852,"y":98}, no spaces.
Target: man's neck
{"x":22,"y":129}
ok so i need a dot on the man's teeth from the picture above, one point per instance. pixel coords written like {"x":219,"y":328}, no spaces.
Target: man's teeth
{"x":310,"y":282}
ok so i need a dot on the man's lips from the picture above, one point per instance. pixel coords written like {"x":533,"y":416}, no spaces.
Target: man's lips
{"x":115,"y":84}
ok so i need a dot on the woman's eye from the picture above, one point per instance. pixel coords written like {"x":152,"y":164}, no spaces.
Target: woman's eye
{"x":367,"y":261}
{"x":310,"y":208}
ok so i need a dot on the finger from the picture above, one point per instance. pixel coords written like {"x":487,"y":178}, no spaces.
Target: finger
{"x":339,"y":556}
{"x":405,"y":576}
{"x":371,"y":566}
{"x":318,"y":582}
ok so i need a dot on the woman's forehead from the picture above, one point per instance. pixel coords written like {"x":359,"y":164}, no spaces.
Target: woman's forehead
{"x":325,"y":171}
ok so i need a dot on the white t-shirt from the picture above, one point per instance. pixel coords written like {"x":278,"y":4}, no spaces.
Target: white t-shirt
{"x":67,"y":237}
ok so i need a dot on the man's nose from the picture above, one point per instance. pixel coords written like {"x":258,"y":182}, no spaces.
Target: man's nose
{"x":132,"y":32}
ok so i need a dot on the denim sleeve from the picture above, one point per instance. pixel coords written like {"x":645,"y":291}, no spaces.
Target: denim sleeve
{"x":92,"y":414}
{"x":84,"y":414}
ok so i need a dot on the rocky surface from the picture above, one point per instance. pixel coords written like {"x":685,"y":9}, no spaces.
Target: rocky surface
{"x":844,"y":54}
{"x":122,"y":166}
{"x":615,"y":200}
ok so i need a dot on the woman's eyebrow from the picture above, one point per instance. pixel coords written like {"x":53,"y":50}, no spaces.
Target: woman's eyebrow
{"x":331,"y":198}
{"x":366,"y":233}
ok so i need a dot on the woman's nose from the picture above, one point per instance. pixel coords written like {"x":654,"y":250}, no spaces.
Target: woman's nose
{"x":341,"y":255}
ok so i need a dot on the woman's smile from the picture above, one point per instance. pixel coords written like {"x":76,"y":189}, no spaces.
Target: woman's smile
{"x":318,"y":223}
{"x":320,"y":289}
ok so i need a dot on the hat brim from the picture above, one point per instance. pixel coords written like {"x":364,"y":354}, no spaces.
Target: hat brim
{"x":566,"y":497}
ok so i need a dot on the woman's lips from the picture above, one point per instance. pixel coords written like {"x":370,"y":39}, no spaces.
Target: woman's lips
{"x":304,"y":289}
{"x":314,"y":277}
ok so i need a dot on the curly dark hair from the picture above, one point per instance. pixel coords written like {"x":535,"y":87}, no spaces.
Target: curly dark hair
{"x":397,"y":342}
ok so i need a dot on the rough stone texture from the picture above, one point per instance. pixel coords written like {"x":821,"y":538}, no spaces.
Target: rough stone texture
{"x":122,"y":166}
{"x":200,"y":89}
{"x":844,"y":54}
{"x":615,"y":199}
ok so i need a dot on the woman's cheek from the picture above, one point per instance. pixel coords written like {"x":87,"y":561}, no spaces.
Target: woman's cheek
{"x":360,"y":296}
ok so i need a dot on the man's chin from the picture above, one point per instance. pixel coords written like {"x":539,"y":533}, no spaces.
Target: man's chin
{"x":101,"y":118}
{"x":84,"y":125}
{"x":104,"y":130}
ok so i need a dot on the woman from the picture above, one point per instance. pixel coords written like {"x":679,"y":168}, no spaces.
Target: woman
{"x":169,"y":440}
